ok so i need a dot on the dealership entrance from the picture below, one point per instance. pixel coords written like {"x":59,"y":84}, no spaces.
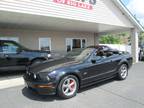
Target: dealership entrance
{"x":72,"y":43}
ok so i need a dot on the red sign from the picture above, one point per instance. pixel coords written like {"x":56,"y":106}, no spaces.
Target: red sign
{"x":75,"y":4}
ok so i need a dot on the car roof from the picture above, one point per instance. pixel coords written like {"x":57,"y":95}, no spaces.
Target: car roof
{"x":7,"y":41}
{"x":102,"y":47}
{"x":99,"y":47}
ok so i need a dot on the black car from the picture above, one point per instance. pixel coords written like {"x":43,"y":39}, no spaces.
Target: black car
{"x":14,"y":56}
{"x":65,"y":76}
{"x":141,"y":53}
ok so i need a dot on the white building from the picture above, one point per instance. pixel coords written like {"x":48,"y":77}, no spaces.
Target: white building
{"x":62,"y":25}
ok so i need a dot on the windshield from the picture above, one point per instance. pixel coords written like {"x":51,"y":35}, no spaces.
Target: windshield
{"x":20,"y":46}
{"x":79,"y":54}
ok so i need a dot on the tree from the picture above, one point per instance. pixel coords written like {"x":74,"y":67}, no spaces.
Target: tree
{"x":141,"y":38}
{"x":110,"y":39}
{"x":119,"y":38}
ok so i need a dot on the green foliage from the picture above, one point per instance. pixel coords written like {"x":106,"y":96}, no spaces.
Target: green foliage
{"x":119,"y":38}
{"x":141,"y":38}
{"x":110,"y":39}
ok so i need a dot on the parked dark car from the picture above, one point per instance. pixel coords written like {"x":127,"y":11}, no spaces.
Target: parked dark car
{"x":14,"y":56}
{"x":141,"y":53}
{"x":65,"y":76}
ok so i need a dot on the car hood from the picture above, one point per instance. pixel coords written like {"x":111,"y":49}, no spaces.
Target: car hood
{"x":52,"y":65}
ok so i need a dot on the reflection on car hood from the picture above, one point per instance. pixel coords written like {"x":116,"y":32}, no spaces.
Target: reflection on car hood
{"x":52,"y":65}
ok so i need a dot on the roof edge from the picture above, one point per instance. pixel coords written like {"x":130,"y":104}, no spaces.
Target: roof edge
{"x":124,"y":9}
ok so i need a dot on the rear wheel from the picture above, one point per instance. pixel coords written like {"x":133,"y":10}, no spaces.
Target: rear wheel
{"x":68,"y":87}
{"x":123,"y":72}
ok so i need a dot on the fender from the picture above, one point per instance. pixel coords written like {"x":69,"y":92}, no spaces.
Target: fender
{"x":123,"y":61}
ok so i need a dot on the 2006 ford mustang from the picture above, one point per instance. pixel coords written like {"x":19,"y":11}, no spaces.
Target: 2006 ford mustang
{"x":65,"y":76}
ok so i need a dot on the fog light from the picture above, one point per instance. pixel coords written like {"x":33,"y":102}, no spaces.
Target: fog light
{"x":44,"y":86}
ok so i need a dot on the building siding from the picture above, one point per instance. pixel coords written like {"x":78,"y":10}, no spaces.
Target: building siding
{"x":104,"y":11}
{"x":30,"y":38}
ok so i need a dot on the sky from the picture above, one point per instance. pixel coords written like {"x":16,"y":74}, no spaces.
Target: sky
{"x":137,"y":8}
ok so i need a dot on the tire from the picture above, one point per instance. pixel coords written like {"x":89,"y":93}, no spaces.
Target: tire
{"x":123,"y":72}
{"x":68,"y":87}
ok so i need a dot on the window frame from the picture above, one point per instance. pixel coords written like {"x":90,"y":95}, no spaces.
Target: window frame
{"x":49,"y":42}
{"x":8,"y":52}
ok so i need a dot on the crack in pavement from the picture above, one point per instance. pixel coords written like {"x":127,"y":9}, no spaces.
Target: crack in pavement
{"x":126,"y":98}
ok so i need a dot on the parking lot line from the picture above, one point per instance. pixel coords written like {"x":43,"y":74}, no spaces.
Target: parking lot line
{"x":11,"y":83}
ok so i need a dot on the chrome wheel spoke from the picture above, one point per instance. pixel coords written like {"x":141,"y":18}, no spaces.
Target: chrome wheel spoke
{"x":66,"y":90}
{"x":69,"y":86}
{"x":68,"y":81}
{"x":123,"y":71}
{"x":72,"y":84}
{"x":71,"y":89}
{"x":65,"y":86}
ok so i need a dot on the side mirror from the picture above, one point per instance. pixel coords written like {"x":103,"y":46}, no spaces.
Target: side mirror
{"x":93,"y":61}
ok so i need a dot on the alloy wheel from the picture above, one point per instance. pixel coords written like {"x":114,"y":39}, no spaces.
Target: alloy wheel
{"x":69,"y":86}
{"x":123,"y":71}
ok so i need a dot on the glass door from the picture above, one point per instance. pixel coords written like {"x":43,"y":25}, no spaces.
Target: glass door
{"x":72,"y":43}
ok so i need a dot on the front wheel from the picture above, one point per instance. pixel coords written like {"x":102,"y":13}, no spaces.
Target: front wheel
{"x":68,"y":87}
{"x":123,"y":72}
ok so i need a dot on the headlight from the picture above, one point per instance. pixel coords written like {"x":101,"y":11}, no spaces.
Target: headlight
{"x":49,"y":55}
{"x":44,"y":76}
{"x":53,"y":74}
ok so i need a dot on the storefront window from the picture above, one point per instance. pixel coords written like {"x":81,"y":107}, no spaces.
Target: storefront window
{"x":68,"y":44}
{"x":75,"y":43}
{"x":16,"y":39}
{"x":45,"y":44}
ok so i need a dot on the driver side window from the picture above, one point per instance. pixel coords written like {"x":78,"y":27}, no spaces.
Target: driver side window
{"x":8,"y":47}
{"x":99,"y":55}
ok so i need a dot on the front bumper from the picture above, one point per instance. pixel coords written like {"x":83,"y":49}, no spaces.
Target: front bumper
{"x":43,"y":88}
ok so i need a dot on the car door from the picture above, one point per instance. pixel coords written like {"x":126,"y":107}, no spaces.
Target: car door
{"x":12,"y":56}
{"x":113,"y":59}
{"x":93,"y":71}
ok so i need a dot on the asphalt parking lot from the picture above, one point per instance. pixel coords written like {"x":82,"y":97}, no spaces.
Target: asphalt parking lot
{"x":109,"y":94}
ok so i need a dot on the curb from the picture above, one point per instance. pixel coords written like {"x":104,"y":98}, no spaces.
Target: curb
{"x":11,"y":83}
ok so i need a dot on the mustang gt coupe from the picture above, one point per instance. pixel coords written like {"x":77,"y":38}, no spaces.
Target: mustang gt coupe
{"x":78,"y":69}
